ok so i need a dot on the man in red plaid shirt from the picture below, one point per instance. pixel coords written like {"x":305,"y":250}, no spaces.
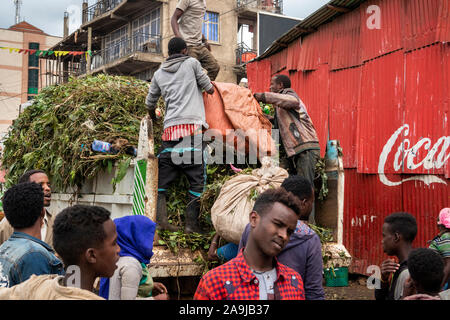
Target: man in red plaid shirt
{"x":255,"y":274}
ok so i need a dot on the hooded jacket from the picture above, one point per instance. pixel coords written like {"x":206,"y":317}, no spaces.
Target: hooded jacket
{"x":135,"y":238}
{"x":303,"y":253}
{"x":179,"y":81}
{"x":297,"y":131}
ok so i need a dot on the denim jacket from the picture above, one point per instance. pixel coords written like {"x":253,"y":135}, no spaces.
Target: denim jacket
{"x":23,"y":255}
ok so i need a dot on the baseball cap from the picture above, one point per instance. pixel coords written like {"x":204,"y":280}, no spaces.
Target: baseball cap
{"x":444,"y":217}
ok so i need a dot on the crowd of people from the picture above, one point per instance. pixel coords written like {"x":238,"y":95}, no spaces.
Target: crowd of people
{"x":279,"y":255}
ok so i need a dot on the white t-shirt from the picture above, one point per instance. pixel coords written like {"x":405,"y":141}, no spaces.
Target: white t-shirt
{"x":266,"y":282}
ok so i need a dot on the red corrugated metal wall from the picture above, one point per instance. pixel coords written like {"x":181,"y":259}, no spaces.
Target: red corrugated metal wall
{"x":345,"y":89}
{"x":380,"y":110}
{"x":385,"y":95}
{"x":312,"y":87}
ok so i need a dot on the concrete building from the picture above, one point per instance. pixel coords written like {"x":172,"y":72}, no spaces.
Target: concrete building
{"x":130,"y":37}
{"x":20,"y":74}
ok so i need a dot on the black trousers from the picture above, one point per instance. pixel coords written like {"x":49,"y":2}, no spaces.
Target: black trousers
{"x":184,"y":156}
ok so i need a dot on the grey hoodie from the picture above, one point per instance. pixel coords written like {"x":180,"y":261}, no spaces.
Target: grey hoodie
{"x":179,"y":80}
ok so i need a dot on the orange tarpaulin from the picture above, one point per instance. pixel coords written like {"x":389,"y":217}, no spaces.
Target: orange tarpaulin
{"x":234,"y":113}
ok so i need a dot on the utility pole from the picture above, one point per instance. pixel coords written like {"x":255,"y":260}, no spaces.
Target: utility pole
{"x":17,"y":3}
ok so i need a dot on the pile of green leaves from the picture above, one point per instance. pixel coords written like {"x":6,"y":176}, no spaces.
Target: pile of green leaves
{"x":325,"y":234}
{"x":322,"y":179}
{"x":55,"y":133}
{"x":217,"y":175}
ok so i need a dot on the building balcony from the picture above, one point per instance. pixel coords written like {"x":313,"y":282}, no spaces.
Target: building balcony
{"x":128,"y":56}
{"x":99,"y":8}
{"x":244,"y":54}
{"x":107,"y":15}
{"x":247,"y":7}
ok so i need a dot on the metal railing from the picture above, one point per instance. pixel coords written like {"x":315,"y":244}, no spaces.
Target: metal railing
{"x":139,"y":42}
{"x":275,"y":6}
{"x":244,"y":54}
{"x":99,"y":8}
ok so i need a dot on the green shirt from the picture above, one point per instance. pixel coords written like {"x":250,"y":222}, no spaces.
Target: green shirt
{"x":441,"y":244}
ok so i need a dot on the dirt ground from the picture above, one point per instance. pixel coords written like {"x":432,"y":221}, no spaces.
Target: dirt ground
{"x":356,"y":290}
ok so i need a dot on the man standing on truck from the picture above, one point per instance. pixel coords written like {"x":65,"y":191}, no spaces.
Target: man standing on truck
{"x":180,"y":80}
{"x":297,"y":132}
{"x":187,"y":23}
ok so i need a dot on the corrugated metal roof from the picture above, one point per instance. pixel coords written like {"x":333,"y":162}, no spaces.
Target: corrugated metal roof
{"x":377,"y":40}
{"x":421,"y":20}
{"x":404,"y":24}
{"x":312,"y":23}
{"x":316,"y":49}
{"x":443,"y":27}
{"x":346,"y":40}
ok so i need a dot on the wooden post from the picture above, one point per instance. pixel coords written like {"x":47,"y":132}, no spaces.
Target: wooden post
{"x":151,"y":183}
{"x":65,"y":70}
{"x":89,"y":47}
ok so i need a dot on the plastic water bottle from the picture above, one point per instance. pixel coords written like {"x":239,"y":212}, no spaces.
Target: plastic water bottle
{"x":101,"y":146}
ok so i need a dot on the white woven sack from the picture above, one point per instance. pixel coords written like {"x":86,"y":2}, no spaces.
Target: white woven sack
{"x":230,"y":212}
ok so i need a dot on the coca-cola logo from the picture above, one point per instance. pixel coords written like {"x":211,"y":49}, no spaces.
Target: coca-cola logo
{"x":406,"y":157}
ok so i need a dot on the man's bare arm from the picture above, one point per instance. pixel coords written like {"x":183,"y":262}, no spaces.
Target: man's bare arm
{"x":174,"y":22}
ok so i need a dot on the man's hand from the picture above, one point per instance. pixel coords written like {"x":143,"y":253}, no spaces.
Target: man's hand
{"x":408,"y":288}
{"x":387,"y":267}
{"x":159,"y":288}
{"x":259,"y":96}
{"x":210,"y":91}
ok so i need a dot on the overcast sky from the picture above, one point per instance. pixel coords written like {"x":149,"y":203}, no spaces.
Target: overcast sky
{"x":48,"y":14}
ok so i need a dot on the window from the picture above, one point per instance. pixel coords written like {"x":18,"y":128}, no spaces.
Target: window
{"x":33,"y":81}
{"x":211,"y":26}
{"x":147,"y":27}
{"x":116,"y":43}
{"x":33,"y":70}
{"x":33,"y":60}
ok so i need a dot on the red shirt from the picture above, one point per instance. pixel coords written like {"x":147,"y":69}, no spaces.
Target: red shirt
{"x":182,"y":130}
{"x":234,"y":280}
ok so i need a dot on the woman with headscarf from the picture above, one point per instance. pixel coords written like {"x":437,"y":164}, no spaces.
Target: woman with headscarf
{"x":131,"y":279}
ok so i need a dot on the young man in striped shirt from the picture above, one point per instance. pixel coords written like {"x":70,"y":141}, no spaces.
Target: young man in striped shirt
{"x":180,"y":81}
